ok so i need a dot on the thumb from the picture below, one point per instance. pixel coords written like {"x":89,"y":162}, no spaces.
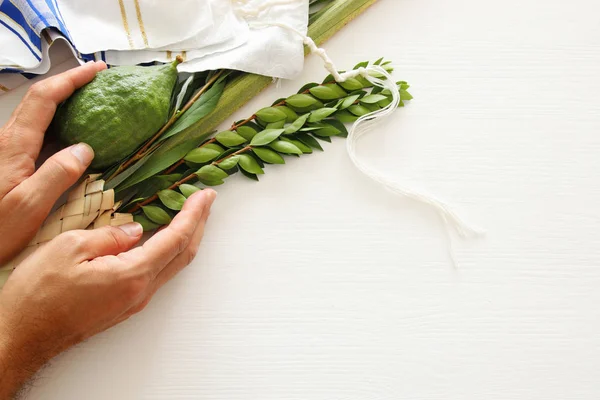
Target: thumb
{"x":51,"y":180}
{"x":25,"y":207}
{"x":85,"y":245}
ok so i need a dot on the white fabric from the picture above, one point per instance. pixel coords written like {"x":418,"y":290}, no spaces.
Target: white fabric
{"x":270,"y":50}
{"x":228,"y":31}
{"x":208,"y":34}
{"x":96,"y":28}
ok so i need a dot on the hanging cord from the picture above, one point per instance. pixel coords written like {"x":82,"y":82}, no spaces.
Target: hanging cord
{"x":378,"y":76}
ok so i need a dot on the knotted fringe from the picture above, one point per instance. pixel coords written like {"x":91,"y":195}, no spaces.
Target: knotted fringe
{"x":373,"y":73}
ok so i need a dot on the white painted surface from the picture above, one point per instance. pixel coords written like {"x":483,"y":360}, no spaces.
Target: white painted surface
{"x":316,"y":285}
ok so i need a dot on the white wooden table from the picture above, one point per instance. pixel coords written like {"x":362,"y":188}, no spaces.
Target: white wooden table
{"x":315,"y":284}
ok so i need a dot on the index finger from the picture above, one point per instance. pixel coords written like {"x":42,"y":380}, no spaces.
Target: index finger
{"x":167,"y":244}
{"x":35,"y":112}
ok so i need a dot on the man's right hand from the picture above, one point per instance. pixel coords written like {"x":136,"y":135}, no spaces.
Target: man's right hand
{"x":84,"y":282}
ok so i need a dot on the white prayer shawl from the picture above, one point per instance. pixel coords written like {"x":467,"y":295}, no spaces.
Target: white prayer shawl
{"x":208,"y":34}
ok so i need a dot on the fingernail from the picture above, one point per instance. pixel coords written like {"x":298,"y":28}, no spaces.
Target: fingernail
{"x":132,"y":229}
{"x":210,"y":196}
{"x":83,"y":152}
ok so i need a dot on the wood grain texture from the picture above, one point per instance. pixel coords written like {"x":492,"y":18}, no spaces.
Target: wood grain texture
{"x":315,"y":284}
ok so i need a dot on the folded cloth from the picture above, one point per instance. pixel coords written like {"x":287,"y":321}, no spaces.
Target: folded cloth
{"x":134,"y":25}
{"x":227,"y":32}
{"x":208,"y":34}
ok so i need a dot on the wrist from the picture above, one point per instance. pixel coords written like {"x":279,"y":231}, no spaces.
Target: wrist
{"x":15,"y":367}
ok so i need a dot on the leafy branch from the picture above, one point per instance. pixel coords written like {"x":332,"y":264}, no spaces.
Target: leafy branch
{"x":289,"y":127}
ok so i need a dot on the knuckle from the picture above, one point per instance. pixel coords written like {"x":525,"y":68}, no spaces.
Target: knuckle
{"x":72,"y":241}
{"x":61,"y":168}
{"x":37,"y":90}
{"x":141,"y":306}
{"x":114,"y":238}
{"x":182,"y":241}
{"x":190,"y":254}
{"x":136,"y":287}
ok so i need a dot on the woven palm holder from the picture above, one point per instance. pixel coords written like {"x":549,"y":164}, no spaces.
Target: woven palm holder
{"x":88,"y":206}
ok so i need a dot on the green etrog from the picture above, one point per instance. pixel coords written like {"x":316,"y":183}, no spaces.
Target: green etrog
{"x":118,"y":111}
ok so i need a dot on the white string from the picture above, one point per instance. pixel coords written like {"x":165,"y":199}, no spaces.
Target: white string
{"x":378,"y":76}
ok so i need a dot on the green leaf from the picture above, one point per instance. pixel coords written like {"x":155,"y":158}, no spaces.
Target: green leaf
{"x":328,"y":130}
{"x":307,"y":86}
{"x":156,"y":184}
{"x":202,"y":155}
{"x":182,"y":92}
{"x":230,"y":139}
{"x":339,"y":126}
{"x":372,"y":107}
{"x":299,"y":123}
{"x":265,"y":137}
{"x":363,"y":64}
{"x":117,"y":180}
{"x":349,"y":101}
{"x":359,"y":110}
{"x":338,"y":90}
{"x":345,"y":117}
{"x":324,"y":138}
{"x":201,"y":108}
{"x":385,"y":103}
{"x":328,"y":79}
{"x":249,"y":175}
{"x":247,"y":132}
{"x":308,"y":140}
{"x":321,"y":114}
{"x":229,"y":163}
{"x":171,"y":199}
{"x":378,"y":62}
{"x":171,"y":151}
{"x":249,"y":164}
{"x":133,"y":202}
{"x":364,"y":81}
{"x":324,"y":93}
{"x":301,"y":100}
{"x":146,"y":224}
{"x":211,"y":175}
{"x":372,"y":98}
{"x":214,"y":146}
{"x":157,"y":215}
{"x":291,"y":115}
{"x":351,"y":84}
{"x":187,"y":190}
{"x":276,"y":125}
{"x":271,"y":114}
{"x":404,"y":95}
{"x":285,"y":147}
{"x":268,"y":155}
{"x":303,"y":148}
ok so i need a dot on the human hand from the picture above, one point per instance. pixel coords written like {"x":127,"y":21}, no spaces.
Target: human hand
{"x":81,"y":282}
{"x":26,"y":195}
{"x":84,"y":282}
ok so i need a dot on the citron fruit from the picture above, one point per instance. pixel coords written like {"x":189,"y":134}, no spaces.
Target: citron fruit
{"x":117,"y":111}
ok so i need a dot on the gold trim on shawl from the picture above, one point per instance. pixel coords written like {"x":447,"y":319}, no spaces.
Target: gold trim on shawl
{"x":138,"y":11}
{"x":125,"y":23}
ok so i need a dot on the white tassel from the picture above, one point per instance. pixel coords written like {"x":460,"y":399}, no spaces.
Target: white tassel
{"x":449,"y":218}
